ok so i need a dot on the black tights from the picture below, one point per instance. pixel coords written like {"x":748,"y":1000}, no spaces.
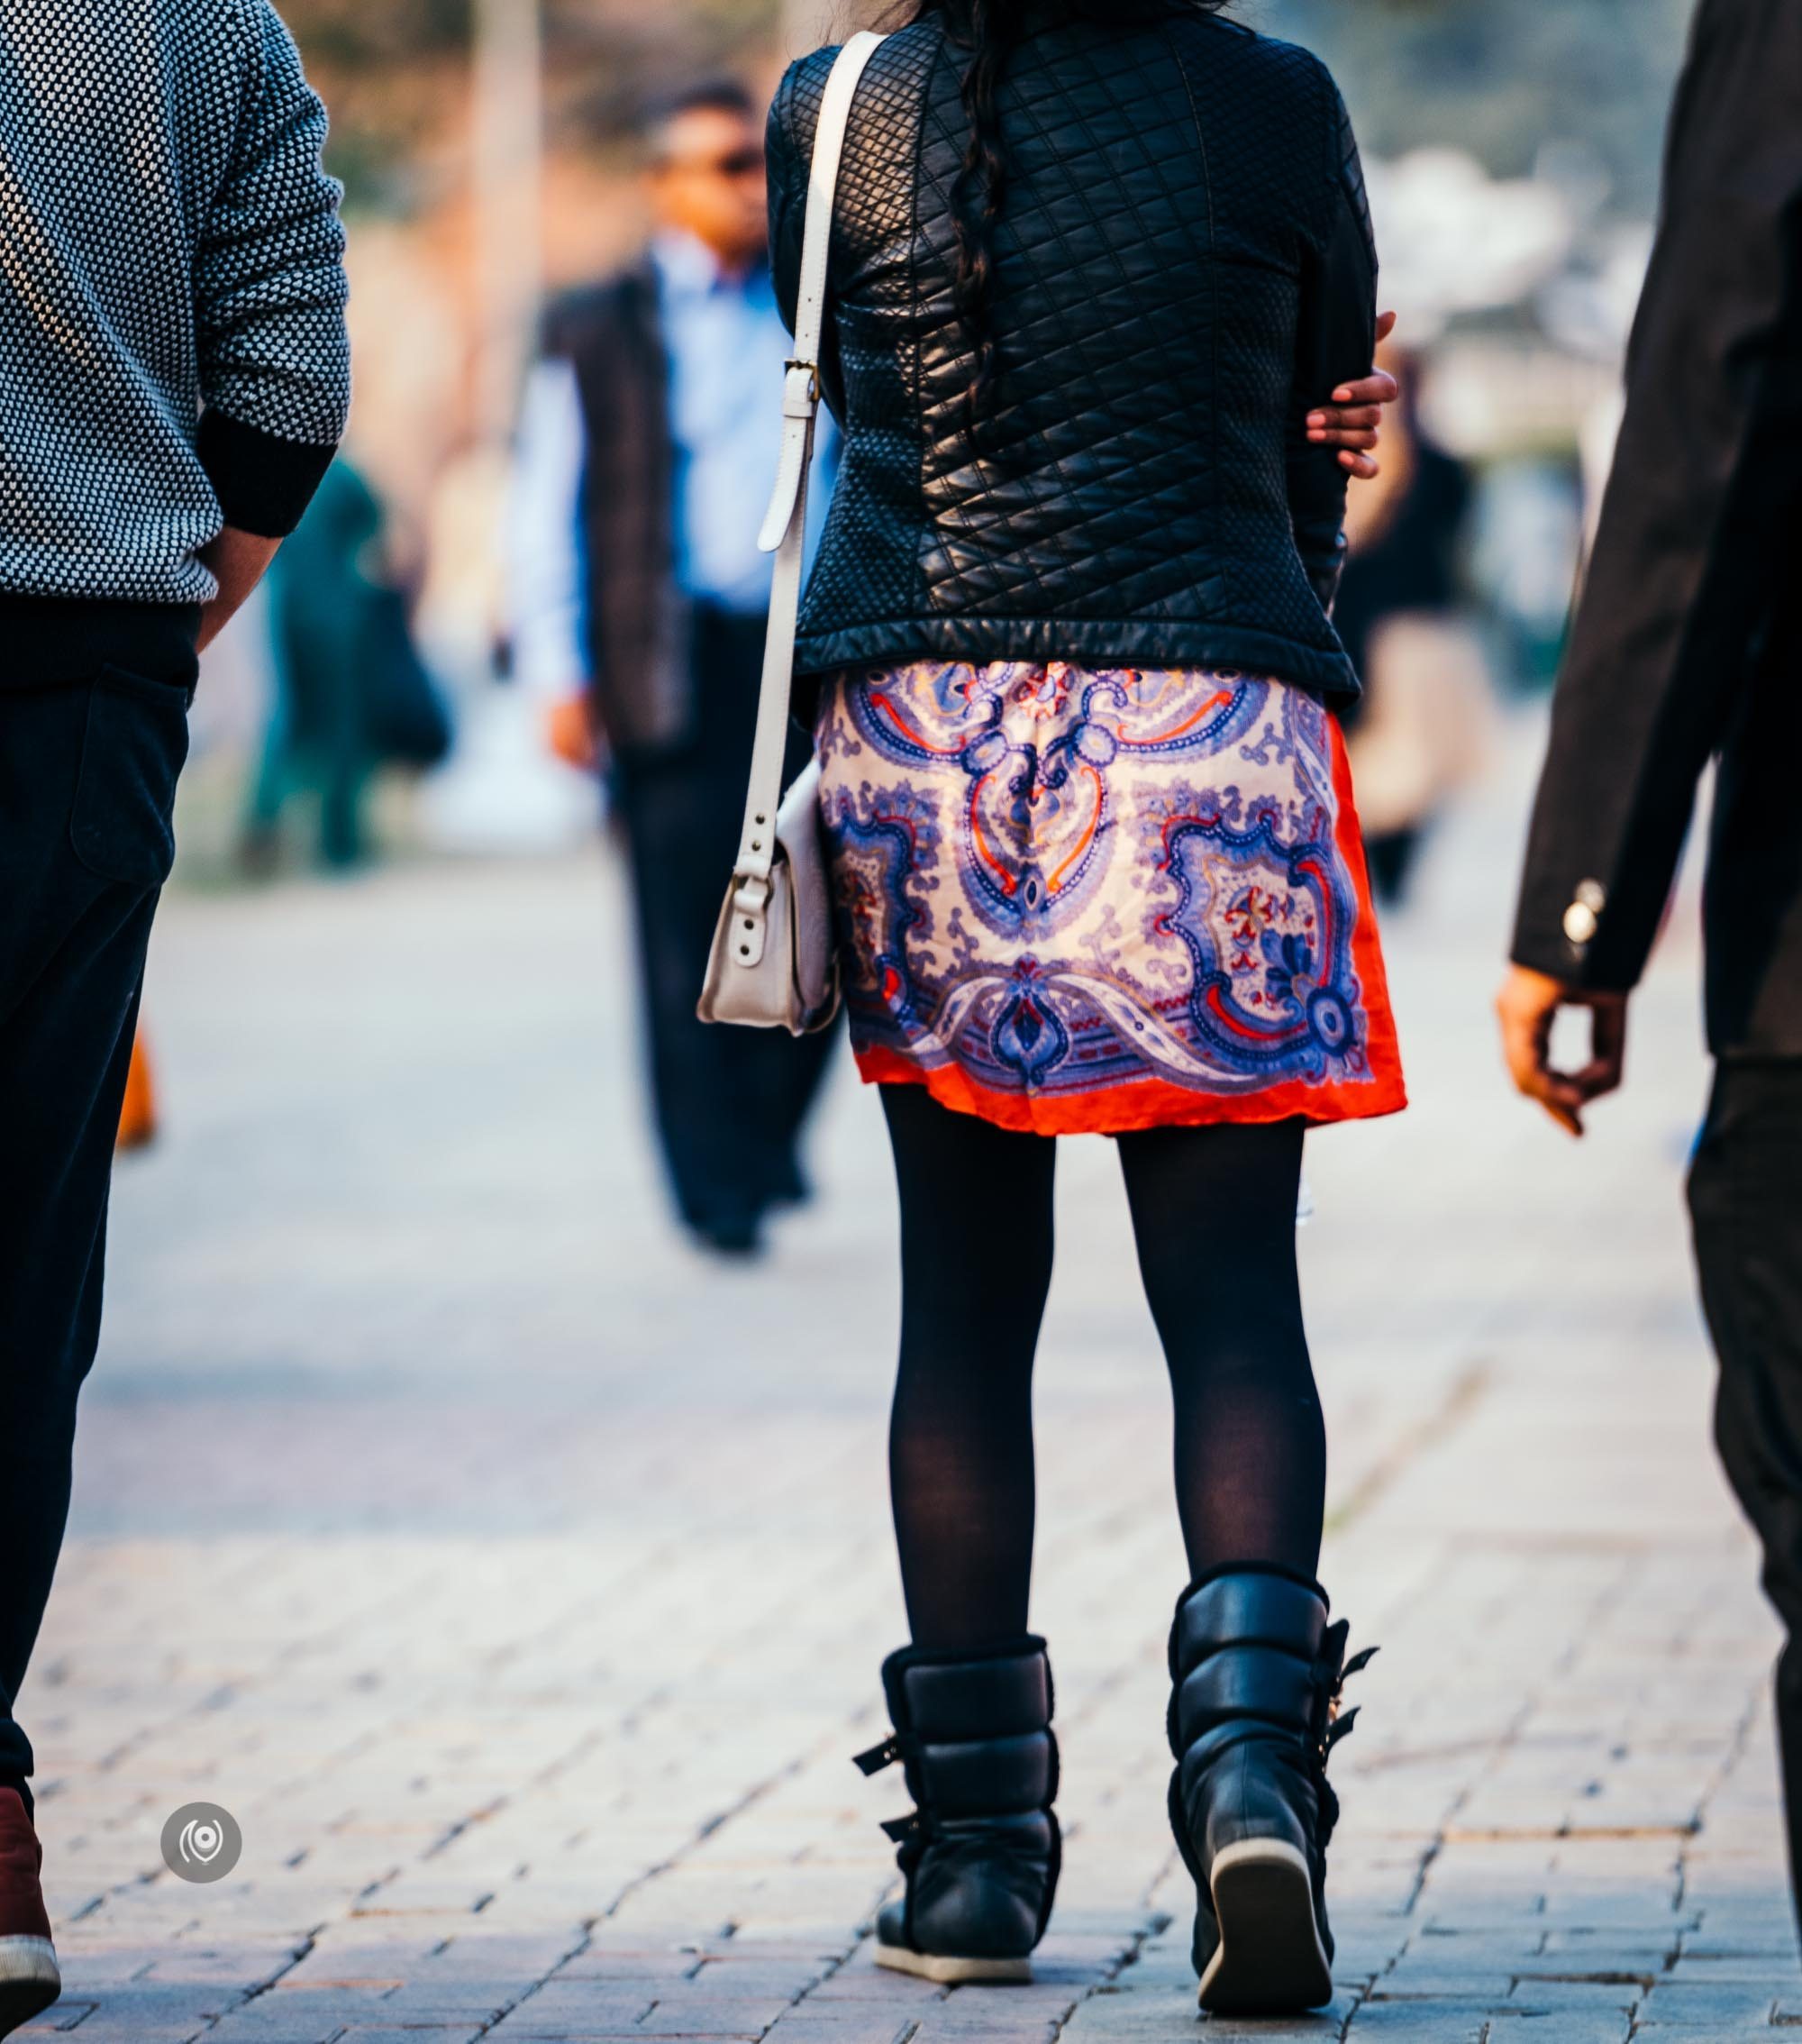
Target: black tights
{"x":1213,"y":1213}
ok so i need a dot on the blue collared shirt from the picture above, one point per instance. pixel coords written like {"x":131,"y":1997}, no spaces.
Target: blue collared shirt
{"x":726,"y":346}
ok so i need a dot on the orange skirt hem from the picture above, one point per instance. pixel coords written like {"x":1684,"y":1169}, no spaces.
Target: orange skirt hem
{"x":1136,"y":1103}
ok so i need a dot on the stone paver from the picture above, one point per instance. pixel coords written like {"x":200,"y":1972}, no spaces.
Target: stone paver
{"x":519,"y":1580}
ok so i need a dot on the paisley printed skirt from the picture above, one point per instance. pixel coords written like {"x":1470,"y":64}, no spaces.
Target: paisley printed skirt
{"x":1072,"y":901}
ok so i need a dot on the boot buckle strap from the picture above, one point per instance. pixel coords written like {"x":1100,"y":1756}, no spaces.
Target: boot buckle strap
{"x":874,"y":1758}
{"x":901,"y":1828}
{"x":1338,"y":1728}
{"x":1331,"y":1674}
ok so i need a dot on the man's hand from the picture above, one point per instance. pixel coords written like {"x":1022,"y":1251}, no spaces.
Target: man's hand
{"x":569,"y":732}
{"x":237,"y":561}
{"x":1353,"y":420}
{"x":1526,"y":1007}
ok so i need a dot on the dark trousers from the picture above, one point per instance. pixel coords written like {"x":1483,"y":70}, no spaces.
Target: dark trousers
{"x":1746,"y":1196}
{"x":728,"y":1102}
{"x":87,"y":775}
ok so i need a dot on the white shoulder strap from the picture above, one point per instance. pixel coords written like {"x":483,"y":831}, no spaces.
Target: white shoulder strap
{"x":785,"y":526}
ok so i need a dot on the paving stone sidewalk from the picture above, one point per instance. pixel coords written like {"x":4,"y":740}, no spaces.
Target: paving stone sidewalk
{"x":519,"y":1579}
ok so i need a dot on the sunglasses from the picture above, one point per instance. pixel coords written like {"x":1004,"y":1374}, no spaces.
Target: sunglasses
{"x":735,"y":164}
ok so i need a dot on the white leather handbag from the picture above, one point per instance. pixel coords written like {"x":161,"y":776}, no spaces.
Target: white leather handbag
{"x":773,"y":964}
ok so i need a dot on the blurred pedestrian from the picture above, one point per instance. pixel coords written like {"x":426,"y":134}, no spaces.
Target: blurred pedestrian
{"x":648,"y":445}
{"x":1421,"y":727}
{"x":1687,"y":644}
{"x":1098,"y":870}
{"x":352,"y":694}
{"x":172,"y":332}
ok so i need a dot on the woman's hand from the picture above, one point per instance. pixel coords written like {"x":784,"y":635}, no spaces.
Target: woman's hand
{"x":1353,"y":420}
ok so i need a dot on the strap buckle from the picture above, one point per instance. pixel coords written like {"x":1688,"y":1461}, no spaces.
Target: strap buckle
{"x":751,"y":896}
{"x":800,"y":389}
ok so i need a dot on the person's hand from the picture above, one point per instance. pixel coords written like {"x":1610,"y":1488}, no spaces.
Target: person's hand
{"x":238,"y":562}
{"x":569,"y":732}
{"x":1526,"y":1007}
{"x":1353,"y":420}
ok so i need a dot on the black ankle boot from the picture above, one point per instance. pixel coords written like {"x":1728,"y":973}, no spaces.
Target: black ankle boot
{"x":1254,"y":1712}
{"x":982,"y":1850}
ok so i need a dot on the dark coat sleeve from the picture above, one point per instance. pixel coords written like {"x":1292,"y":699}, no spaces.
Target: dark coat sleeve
{"x":1335,"y":342}
{"x":1686,"y":564}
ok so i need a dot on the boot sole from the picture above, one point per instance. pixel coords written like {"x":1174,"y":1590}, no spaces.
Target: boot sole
{"x":955,"y":1972}
{"x":30,"y":1982}
{"x":1270,"y":1960}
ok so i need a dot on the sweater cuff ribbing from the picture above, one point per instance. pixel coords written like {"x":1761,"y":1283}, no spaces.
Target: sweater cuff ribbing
{"x":263,"y":483}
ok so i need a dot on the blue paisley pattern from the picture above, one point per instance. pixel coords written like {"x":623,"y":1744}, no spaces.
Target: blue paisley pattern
{"x":1058,"y":882}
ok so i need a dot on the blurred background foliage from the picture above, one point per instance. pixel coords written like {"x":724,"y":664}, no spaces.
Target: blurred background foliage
{"x":393,"y":72}
{"x":1502,"y":78}
{"x":1505,"y":79}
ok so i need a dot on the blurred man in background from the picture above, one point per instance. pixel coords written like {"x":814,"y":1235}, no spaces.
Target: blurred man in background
{"x":648,"y":447}
{"x":1687,"y":644}
{"x":176,"y":374}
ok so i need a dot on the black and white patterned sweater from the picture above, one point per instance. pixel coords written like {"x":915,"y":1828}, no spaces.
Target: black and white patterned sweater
{"x":173,"y":355}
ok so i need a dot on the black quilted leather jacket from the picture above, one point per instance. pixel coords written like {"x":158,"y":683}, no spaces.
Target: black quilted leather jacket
{"x":1184,"y":267}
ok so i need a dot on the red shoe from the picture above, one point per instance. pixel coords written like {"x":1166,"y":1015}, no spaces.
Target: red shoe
{"x":28,"y":1979}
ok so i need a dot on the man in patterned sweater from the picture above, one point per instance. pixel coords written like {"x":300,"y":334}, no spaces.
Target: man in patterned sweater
{"x":174,"y":377}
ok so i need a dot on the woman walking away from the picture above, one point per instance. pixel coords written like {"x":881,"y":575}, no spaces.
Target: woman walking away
{"x":1097,"y":870}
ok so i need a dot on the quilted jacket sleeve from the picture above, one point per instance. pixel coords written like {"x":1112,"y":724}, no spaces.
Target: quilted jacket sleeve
{"x":269,"y":293}
{"x":789,"y":150}
{"x":787,"y":192}
{"x":1336,"y":338}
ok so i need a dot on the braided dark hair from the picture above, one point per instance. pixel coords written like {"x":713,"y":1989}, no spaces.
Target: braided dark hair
{"x":988,"y":30}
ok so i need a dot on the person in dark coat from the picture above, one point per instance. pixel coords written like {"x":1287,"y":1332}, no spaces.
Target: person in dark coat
{"x":1686,"y":647}
{"x":649,"y":442}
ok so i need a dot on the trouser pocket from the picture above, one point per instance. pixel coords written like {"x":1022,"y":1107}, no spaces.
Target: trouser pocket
{"x":135,"y":744}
